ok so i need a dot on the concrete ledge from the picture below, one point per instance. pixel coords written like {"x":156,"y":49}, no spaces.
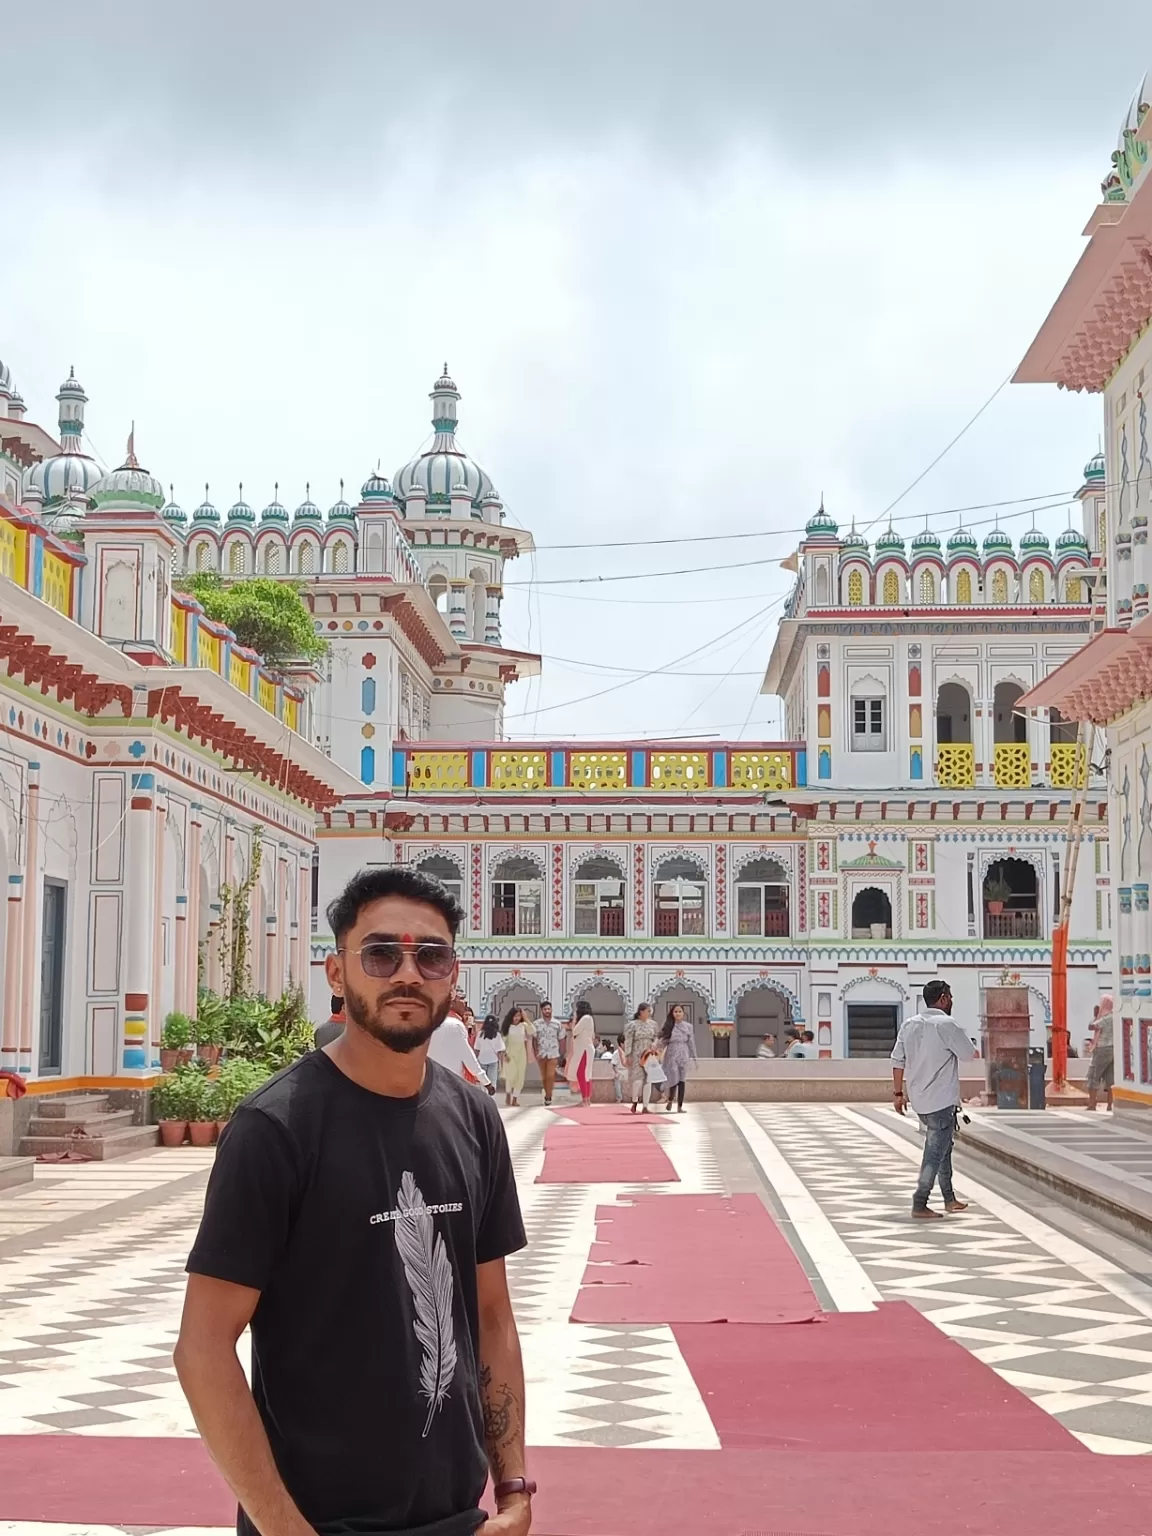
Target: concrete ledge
{"x":1115,"y":1202}
{"x":15,"y":1171}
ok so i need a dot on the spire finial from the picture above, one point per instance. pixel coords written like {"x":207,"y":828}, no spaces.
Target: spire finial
{"x":342,"y":484}
{"x":445,"y":370}
{"x":171,"y":491}
{"x":307,"y":490}
{"x":275,"y":490}
{"x":130,"y":460}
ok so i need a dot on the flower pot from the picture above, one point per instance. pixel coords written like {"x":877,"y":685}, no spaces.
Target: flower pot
{"x":184,"y":1056}
{"x":879,"y":930}
{"x":208,"y":1053}
{"x":172,"y":1132}
{"x":220,"y":1124}
{"x":202,"y":1133}
{"x":995,"y":907}
{"x":169,"y":1060}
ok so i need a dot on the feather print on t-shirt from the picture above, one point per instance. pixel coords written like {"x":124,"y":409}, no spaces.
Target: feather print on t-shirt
{"x":429,"y":1277}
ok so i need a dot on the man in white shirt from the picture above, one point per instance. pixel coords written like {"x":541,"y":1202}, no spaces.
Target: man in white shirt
{"x":926,"y":1074}
{"x":449,"y":1047}
{"x":803,"y":1048}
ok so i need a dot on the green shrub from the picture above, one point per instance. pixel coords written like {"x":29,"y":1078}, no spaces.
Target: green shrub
{"x":179,"y":1032}
{"x":179,"y":1095}
{"x":211,"y":1019}
{"x":236,"y":1079}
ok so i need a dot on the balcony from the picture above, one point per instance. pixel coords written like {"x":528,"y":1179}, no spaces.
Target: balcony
{"x":504,"y":925}
{"x":956,"y":765}
{"x":1069,"y":765}
{"x":1012,"y":765}
{"x":1011,"y":925}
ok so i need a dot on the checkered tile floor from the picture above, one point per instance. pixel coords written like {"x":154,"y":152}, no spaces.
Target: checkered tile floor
{"x":1050,"y":1325}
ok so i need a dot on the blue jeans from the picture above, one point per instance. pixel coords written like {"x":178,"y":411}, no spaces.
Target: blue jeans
{"x":939,"y":1134}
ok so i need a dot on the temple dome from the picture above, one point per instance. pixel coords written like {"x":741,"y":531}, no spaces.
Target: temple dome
{"x":444,"y":466}
{"x":205,"y":512}
{"x":1071,"y":540}
{"x":890,"y":542}
{"x":275,"y":511}
{"x":855,"y":541}
{"x":307,"y":511}
{"x":64,"y":477}
{"x":1035,"y":542}
{"x":130,"y":485}
{"x":820,"y":525}
{"x":963,"y":543}
{"x":926,"y":542}
{"x":997,"y":542}
{"x":240,"y":511}
{"x":1094,"y":469}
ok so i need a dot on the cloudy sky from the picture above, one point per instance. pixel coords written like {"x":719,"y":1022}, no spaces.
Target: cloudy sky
{"x":691,"y":266}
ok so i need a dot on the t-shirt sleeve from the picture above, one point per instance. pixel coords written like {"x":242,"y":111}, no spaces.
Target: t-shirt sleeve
{"x":501,"y":1229}
{"x":959,"y":1044}
{"x":898,"y":1056}
{"x":249,"y":1206}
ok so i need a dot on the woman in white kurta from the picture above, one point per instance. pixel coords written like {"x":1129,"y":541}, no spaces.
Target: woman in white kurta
{"x":581,"y":1051}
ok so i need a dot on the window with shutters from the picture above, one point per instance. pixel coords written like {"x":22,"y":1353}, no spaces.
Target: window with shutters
{"x":868,"y":733}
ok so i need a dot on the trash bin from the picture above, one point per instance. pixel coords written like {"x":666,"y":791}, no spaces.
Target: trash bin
{"x":1037,"y":1080}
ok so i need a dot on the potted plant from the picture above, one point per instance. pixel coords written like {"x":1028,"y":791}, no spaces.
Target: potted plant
{"x":176,"y":1041}
{"x":211,"y":1030}
{"x":234,"y":1082}
{"x":173,"y":1099}
{"x":202,"y":1112}
{"x":996,"y":892}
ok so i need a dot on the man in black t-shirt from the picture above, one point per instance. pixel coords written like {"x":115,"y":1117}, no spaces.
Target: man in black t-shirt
{"x":358,"y":1216}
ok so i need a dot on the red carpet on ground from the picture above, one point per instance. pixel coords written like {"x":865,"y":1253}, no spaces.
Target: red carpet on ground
{"x":863,"y":1381}
{"x":87,"y":1480}
{"x":599,"y":1154}
{"x":692,"y":1259}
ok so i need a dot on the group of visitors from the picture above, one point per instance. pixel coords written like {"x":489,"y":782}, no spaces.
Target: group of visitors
{"x":502,"y":1047}
{"x":799,"y":1044}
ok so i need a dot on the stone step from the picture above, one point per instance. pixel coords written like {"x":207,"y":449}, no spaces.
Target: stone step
{"x":95,"y":1125}
{"x":75,"y":1107}
{"x":136,"y":1138}
{"x":15,"y":1171}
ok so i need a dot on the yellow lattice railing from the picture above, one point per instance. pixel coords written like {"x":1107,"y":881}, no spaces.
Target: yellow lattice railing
{"x":955,"y":765}
{"x":13,"y":552}
{"x":1012,"y":765}
{"x":761,"y":770}
{"x":438,"y":770}
{"x":678,"y":770}
{"x":517,"y":770}
{"x":56,"y":583}
{"x":1069,"y":765}
{"x":598,"y":770}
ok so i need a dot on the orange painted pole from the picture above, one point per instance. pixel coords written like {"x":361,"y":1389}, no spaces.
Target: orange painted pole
{"x":1060,"y":1007}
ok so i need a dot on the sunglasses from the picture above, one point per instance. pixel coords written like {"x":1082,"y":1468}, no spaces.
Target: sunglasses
{"x":433,"y":961}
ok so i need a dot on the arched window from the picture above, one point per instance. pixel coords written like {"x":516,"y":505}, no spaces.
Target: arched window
{"x":1074,"y":590}
{"x":1000,"y":586}
{"x":340,"y":557}
{"x":927,"y":586}
{"x":964,"y":585}
{"x":891,"y":588}
{"x":237,"y":559}
{"x":1036,"y":585}
{"x":598,"y":898}
{"x":203,"y":555}
{"x":762,"y":900}
{"x":446,"y":871}
{"x":821,"y":586}
{"x":1011,"y":900}
{"x":871,"y":914}
{"x":307,"y":558}
{"x":855,"y":588}
{"x":272,"y":558}
{"x":679,"y":899}
{"x":517,"y":899}
{"x":1102,"y":524}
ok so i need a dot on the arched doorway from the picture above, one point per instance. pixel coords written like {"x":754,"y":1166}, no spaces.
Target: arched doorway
{"x":1011,"y":900}
{"x":515,"y":994}
{"x":695,"y":1008}
{"x":953,"y":714}
{"x":761,"y":1011}
{"x":871,"y":914}
{"x":608,"y":1009}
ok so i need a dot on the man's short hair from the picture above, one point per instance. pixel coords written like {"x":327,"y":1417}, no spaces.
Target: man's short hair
{"x":374,"y":884}
{"x":934,"y":991}
{"x":545,"y":1004}
{"x":808,"y":1037}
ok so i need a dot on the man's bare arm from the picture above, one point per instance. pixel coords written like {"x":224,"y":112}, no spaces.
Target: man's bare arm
{"x":899,"y":1097}
{"x":216,"y":1313}
{"x":502,"y":1392}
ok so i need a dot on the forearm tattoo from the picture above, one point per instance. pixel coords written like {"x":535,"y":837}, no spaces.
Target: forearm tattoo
{"x":503,"y":1421}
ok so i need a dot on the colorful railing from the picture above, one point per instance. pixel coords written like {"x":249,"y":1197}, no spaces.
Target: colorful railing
{"x":738,"y":769}
{"x":955,"y":765}
{"x":40,"y":563}
{"x":1069,"y":765}
{"x":197,"y":641}
{"x":1012,"y":765}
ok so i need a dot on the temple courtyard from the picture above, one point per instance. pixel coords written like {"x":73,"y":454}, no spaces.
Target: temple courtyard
{"x":729,"y":1322}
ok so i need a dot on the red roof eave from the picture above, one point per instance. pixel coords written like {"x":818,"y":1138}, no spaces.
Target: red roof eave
{"x":1106,"y":678}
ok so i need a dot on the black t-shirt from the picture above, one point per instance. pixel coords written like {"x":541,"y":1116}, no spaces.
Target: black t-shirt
{"x":361,"y":1219}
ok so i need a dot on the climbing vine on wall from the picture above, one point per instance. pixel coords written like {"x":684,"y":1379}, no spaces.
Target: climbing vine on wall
{"x":236,"y":928}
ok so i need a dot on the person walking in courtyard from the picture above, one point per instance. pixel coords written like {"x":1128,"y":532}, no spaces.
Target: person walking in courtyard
{"x":926,"y":1074}
{"x":619,"y":1069}
{"x":1102,"y":1065}
{"x":546,"y":1044}
{"x":638,"y":1036}
{"x":653,"y":1069}
{"x":679,"y":1040}
{"x":490,"y":1048}
{"x":581,"y":1051}
{"x":517,"y":1031}
{"x":370,"y":1176}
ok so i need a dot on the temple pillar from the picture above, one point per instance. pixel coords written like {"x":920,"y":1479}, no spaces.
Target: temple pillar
{"x":492,"y":616}
{"x":458,"y":609}
{"x":140,"y":903}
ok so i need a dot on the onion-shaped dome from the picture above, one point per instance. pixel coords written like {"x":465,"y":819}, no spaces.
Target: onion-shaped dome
{"x":1035,"y":543}
{"x":962,"y":543}
{"x":206,"y":512}
{"x":171,"y":512}
{"x":5,"y":378}
{"x":1071,"y":542}
{"x":16,"y":405}
{"x":308,"y":511}
{"x":275,"y":511}
{"x":64,"y":477}
{"x":997,"y":542}
{"x":889,"y":542}
{"x":377,"y":487}
{"x":854,"y":542}
{"x":240,"y":511}
{"x":341,"y":512}
{"x":435,"y":473}
{"x":926,"y":543}
{"x":1094,"y":469}
{"x":130,"y":486}
{"x":72,"y":387}
{"x":820,"y":525}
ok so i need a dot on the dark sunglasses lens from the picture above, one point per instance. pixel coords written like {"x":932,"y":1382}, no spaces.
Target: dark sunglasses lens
{"x":381,"y":960}
{"x":435,"y":961}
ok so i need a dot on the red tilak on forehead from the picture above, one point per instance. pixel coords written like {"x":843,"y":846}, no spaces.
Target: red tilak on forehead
{"x":406,"y":938}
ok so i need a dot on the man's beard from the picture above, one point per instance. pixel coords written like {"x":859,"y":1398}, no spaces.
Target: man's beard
{"x":369,"y":1015}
